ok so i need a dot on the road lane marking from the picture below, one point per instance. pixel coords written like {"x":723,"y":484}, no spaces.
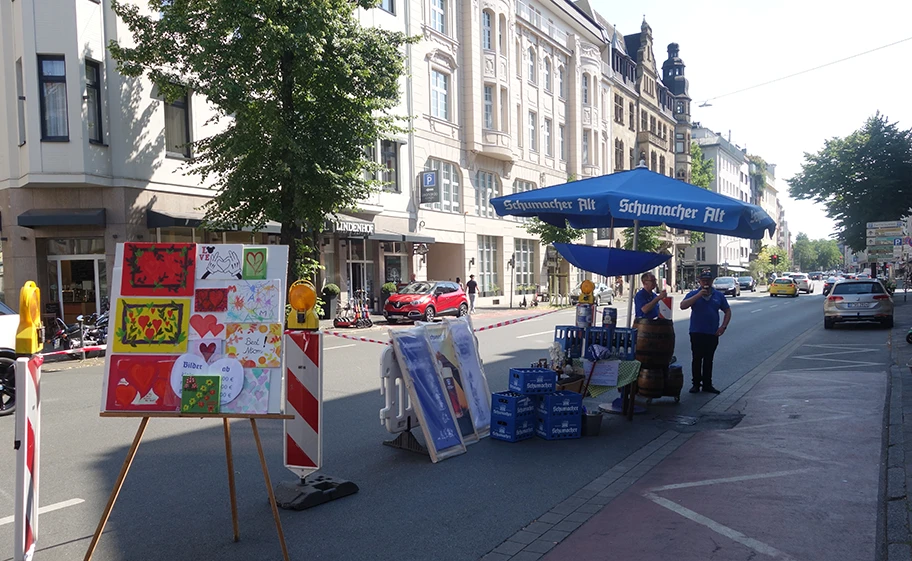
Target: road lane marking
{"x":44,"y":509}
{"x":730,"y":479}
{"x":338,"y":347}
{"x":718,"y":528}
{"x":755,"y":311}
{"x":774,"y":305}
{"x":534,"y":334}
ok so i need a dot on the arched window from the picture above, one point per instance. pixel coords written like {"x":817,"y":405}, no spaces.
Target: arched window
{"x":519,"y":53}
{"x":653,"y":164}
{"x":547,"y":74}
{"x":585,"y":89}
{"x":662,"y":164}
{"x":487,"y":22}
{"x":560,"y":82}
{"x":531,"y":72}
{"x":502,"y":34}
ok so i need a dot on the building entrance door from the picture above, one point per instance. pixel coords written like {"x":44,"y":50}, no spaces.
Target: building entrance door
{"x":78,"y":285}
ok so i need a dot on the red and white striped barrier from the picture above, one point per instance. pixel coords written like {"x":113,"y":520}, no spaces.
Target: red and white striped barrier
{"x":304,"y":400}
{"x":77,"y":350}
{"x":485,"y":328}
{"x":28,"y":433}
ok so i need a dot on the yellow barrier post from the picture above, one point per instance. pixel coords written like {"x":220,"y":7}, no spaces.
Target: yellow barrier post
{"x":29,"y":319}
{"x":302,"y":296}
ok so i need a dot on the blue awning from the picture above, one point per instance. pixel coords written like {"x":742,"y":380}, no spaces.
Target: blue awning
{"x":609,"y":261}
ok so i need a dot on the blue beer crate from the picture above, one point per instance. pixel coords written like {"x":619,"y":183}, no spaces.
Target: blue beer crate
{"x":511,"y":406}
{"x":624,"y":346}
{"x":603,"y":336}
{"x":571,"y":339}
{"x":558,"y":428}
{"x":560,"y":404}
{"x":532,"y":381}
{"x":512,"y":430}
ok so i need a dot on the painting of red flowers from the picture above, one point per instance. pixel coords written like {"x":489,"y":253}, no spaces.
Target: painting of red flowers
{"x":158,"y":269}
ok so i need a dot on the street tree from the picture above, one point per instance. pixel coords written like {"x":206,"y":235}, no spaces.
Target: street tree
{"x":701,"y":175}
{"x":300,"y":89}
{"x":648,"y":238}
{"x":549,"y":234}
{"x":804,"y":252}
{"x":861,"y":178}
{"x":828,"y":254}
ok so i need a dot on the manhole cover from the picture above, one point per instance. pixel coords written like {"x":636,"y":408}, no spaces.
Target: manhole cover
{"x":709,"y":421}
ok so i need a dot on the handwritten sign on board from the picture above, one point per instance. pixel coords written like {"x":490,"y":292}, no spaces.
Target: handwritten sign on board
{"x":256,"y":345}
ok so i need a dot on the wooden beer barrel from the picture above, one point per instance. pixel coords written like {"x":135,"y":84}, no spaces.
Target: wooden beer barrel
{"x":651,"y":382}
{"x":655,"y":342}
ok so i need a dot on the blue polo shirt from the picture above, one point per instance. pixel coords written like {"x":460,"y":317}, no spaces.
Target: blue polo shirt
{"x":641,"y":299}
{"x":704,"y":314}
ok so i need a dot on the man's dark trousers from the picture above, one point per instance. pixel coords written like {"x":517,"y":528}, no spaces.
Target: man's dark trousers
{"x":703,"y":348}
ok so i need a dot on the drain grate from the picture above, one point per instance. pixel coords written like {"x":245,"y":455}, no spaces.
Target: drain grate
{"x":709,"y":421}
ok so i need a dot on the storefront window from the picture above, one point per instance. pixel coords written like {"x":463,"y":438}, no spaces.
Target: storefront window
{"x":176,"y":235}
{"x":487,"y":264}
{"x":75,"y":246}
{"x":393,"y":265}
{"x":356,"y":248}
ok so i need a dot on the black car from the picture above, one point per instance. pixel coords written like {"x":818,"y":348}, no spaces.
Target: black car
{"x":747,"y":283}
{"x":727,"y":286}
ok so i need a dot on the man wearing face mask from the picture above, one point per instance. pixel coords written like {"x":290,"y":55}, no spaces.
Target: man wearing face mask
{"x":705,"y":304}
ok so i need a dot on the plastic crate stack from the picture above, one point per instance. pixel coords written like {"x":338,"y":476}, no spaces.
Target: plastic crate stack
{"x":531,"y":406}
{"x":574,"y":340}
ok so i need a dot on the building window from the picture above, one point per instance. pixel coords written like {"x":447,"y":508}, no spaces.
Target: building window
{"x":533,"y":131}
{"x":531,"y":72}
{"x":440,"y":89}
{"x":619,"y":109}
{"x":520,"y":186}
{"x":438,"y":16}
{"x":679,"y":107}
{"x":560,"y":82}
{"x":679,"y":143}
{"x":504,"y":118}
{"x":644,"y":120}
{"x":661,"y":164}
{"x":652,"y":124}
{"x":177,"y":127}
{"x":489,"y":107}
{"x":631,"y":115}
{"x":547,"y":71}
{"x":618,"y":154}
{"x":501,"y":34}
{"x":448,"y":181}
{"x":563,"y":144}
{"x":52,"y":85}
{"x":487,"y":264}
{"x":519,"y":53}
{"x":633,"y":161}
{"x":523,"y":265}
{"x":486,"y":188}
{"x":586,"y":135}
{"x":549,"y":150}
{"x":486,"y":31}
{"x":652,"y":161}
{"x":389,"y":154}
{"x":388,"y":5}
{"x":20,"y":104}
{"x":585,"y":89}
{"x":93,"y":101}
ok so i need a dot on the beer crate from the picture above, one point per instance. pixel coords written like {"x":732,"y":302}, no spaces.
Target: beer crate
{"x":512,"y":430}
{"x":558,"y":428}
{"x":511,"y":406}
{"x":532,"y":381}
{"x":560,"y":404}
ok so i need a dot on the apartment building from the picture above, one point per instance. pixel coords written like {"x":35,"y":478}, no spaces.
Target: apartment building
{"x":500,"y":97}
{"x":723,"y":255}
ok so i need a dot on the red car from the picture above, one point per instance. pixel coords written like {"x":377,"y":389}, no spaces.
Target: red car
{"x":425,"y":300}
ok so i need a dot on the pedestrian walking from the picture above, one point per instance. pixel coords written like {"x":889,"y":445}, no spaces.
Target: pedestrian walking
{"x":646,"y":301}
{"x":472,"y":288}
{"x":459,"y":282}
{"x":706,"y":303}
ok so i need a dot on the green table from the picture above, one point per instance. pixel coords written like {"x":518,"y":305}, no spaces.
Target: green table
{"x":628,"y":371}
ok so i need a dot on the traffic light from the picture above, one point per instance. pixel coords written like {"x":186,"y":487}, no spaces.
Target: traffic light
{"x":774,"y":259}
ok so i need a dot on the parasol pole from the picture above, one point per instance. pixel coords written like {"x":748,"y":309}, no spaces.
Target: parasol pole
{"x":630,"y":293}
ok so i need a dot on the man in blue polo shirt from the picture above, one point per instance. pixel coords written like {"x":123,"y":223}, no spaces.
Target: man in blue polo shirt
{"x":646,"y":301}
{"x":705,"y":330}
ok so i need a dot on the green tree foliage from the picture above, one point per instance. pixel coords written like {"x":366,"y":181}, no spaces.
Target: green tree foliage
{"x":301,"y":89}
{"x":647,"y":240}
{"x":701,"y":175}
{"x":549,"y":234}
{"x":803,"y":252}
{"x":828,"y":254}
{"x":861,"y":178}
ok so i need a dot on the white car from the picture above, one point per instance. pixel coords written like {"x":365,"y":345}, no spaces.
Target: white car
{"x":9,"y":324}
{"x":602,"y":293}
{"x":804,"y":282}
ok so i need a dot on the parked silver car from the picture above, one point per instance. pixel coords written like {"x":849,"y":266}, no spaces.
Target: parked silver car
{"x":603,"y":293}
{"x":804,"y":282}
{"x":858,"y":300}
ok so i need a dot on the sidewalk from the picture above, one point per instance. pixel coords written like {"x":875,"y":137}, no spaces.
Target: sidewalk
{"x":796,"y":475}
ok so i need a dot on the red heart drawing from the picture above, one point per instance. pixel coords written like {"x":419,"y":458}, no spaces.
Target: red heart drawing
{"x":164,"y":391}
{"x":206,"y":324}
{"x":143,"y":321}
{"x":255,"y":259}
{"x":125,"y":395}
{"x":211,"y":300}
{"x":207,"y":350}
{"x":140,"y":377}
{"x":156,"y":324}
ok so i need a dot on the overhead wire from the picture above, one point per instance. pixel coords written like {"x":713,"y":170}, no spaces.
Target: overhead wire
{"x":806,"y":71}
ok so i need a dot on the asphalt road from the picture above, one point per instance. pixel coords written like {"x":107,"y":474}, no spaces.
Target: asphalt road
{"x":174,"y":504}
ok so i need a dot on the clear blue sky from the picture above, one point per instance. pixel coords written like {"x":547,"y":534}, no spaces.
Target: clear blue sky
{"x":730,"y":45}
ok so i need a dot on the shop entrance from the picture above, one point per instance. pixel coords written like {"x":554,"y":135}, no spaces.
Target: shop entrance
{"x":360,"y":269}
{"x":78,"y":286}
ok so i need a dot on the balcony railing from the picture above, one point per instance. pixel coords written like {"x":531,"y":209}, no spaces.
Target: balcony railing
{"x":535,"y":19}
{"x":652,"y":138}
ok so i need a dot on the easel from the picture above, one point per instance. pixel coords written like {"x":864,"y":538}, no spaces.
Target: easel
{"x":131,"y":453}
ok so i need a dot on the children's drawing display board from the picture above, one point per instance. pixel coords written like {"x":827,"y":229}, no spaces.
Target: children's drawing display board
{"x":184,"y":309}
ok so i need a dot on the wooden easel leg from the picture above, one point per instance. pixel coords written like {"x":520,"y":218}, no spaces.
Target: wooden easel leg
{"x":234,"y":514}
{"x":272,"y":501}
{"x":632,"y":407}
{"x":128,"y":461}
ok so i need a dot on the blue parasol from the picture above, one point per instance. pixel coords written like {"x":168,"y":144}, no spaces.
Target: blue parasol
{"x":609,"y":261}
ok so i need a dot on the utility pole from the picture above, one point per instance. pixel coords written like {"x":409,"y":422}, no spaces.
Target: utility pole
{"x":512,"y":264}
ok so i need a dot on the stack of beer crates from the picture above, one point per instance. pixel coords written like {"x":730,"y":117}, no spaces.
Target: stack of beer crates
{"x":531,"y":406}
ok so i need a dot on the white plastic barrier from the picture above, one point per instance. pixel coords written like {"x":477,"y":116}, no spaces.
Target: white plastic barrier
{"x":397,"y":414}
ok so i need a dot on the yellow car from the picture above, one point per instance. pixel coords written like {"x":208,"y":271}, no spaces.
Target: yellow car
{"x":784,"y":287}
